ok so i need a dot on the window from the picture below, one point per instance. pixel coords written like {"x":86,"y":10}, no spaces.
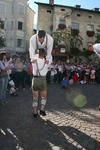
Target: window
{"x":11,"y":42}
{"x":49,"y":11}
{"x":20,"y":25}
{"x":78,"y":15}
{"x":90,"y":27}
{"x":75,"y":25}
{"x":62,"y":9}
{"x":2,"y":8}
{"x":11,"y":25}
{"x":62,"y":50}
{"x":90,"y":16}
{"x":2,"y":24}
{"x":62,"y":21}
{"x":21,"y":9}
{"x":19,"y":43}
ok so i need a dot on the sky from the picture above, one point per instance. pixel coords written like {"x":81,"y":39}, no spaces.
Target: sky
{"x":87,"y":4}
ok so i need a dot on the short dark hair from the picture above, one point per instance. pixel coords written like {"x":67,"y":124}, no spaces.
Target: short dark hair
{"x":41,"y":51}
{"x":41,"y":33}
{"x":2,"y":54}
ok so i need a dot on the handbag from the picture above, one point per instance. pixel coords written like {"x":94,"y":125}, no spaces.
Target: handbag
{"x":3,"y":73}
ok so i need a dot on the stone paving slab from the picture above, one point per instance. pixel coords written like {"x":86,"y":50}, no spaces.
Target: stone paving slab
{"x":66,"y":126}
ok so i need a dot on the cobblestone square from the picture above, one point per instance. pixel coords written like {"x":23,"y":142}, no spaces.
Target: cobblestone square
{"x":67,"y":126}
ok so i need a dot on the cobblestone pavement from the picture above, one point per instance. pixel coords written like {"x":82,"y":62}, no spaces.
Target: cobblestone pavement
{"x":72,"y":121}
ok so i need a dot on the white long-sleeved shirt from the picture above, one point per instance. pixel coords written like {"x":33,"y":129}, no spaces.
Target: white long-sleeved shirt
{"x":97,"y":49}
{"x":42,"y":67}
{"x":35,"y":44}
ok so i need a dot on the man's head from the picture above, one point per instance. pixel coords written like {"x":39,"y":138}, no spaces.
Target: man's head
{"x":41,"y":35}
{"x":2,"y":55}
{"x":42,"y":52}
{"x":90,"y":48}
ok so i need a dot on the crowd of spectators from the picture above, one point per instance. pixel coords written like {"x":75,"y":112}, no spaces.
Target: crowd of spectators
{"x":58,"y":72}
{"x":83,"y":73}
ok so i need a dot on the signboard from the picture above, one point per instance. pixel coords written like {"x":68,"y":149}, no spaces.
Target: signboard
{"x":62,"y":50}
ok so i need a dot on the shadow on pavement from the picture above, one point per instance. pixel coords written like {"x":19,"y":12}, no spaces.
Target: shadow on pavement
{"x":20,"y":131}
{"x":41,"y":134}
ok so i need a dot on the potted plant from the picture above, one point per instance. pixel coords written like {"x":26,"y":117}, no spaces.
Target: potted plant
{"x":90,"y":33}
{"x":61,"y":26}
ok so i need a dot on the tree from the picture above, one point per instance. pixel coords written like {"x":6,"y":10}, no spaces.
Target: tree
{"x":97,"y":35}
{"x":85,"y":53}
{"x":2,"y":41}
{"x":76,"y":42}
{"x":64,"y":38}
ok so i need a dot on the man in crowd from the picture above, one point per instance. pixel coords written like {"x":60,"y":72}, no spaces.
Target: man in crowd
{"x":96,"y":49}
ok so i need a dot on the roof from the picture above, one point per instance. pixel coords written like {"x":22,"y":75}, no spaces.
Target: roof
{"x":71,"y":7}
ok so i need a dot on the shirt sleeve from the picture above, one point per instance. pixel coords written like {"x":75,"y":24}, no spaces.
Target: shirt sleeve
{"x":49,"y":49}
{"x":32,"y":47}
{"x":97,"y":49}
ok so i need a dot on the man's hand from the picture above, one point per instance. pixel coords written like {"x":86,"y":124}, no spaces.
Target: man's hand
{"x":46,"y":62}
{"x":33,"y":61}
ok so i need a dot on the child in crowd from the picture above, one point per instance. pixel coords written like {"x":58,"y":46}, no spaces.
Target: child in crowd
{"x":75,"y":77}
{"x":64,"y":82}
{"x":12,"y":91}
{"x":92,"y":75}
{"x":52,"y":75}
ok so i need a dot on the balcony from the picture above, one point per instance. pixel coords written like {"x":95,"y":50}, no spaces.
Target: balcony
{"x":90,"y":33}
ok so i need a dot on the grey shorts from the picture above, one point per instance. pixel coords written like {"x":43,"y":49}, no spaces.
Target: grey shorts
{"x":39,"y":84}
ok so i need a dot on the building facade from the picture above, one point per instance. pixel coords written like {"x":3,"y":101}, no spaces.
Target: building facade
{"x":18,"y":19}
{"x":82,"y":21}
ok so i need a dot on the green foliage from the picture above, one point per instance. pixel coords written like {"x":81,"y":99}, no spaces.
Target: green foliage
{"x":62,"y":35}
{"x":76,"y":41}
{"x":97,"y":35}
{"x":86,"y":53}
{"x":75,"y":51}
{"x":2,"y":42}
{"x":70,"y":42}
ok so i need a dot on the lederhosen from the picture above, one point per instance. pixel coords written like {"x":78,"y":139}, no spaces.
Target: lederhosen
{"x":39,"y":81}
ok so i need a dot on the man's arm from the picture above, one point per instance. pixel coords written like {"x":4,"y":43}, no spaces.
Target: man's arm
{"x":97,"y":53}
{"x":49,"y":49}
{"x":32,"y":47}
{"x":96,"y":48}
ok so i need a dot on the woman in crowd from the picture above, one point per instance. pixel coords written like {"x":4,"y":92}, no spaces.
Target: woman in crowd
{"x":19,"y":80}
{"x":4,"y":67}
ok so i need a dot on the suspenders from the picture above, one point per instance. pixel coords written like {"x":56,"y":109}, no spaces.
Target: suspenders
{"x":38,"y":70}
{"x":44,"y":47}
{"x":36,"y":52}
